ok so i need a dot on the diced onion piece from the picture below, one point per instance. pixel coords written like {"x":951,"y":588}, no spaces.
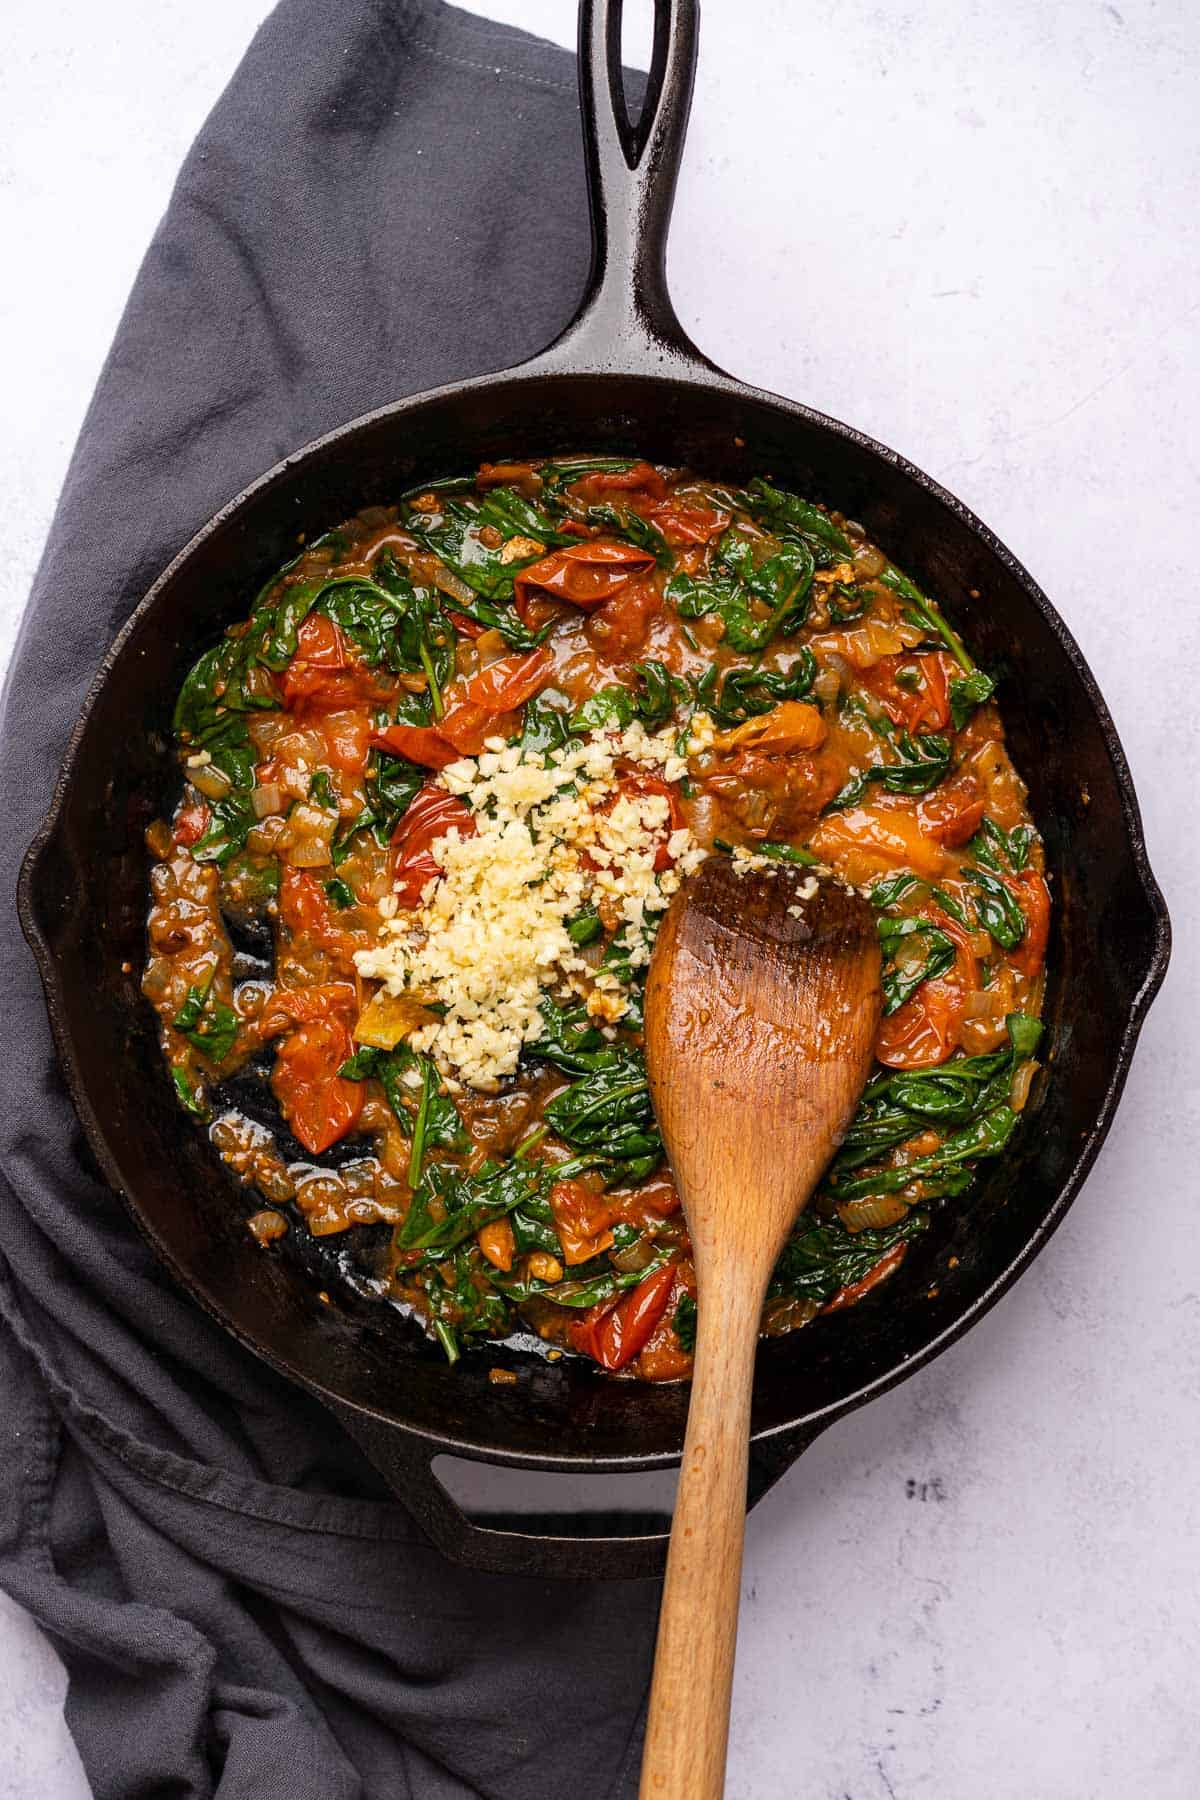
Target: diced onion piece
{"x":490,"y":647}
{"x":450,"y":584}
{"x":883,"y":639}
{"x":983,"y":1004}
{"x":210,"y":781}
{"x":309,"y":853}
{"x":295,"y":780}
{"x":826,"y":687}
{"x":271,"y":835}
{"x":267,"y":799}
{"x":872,"y":1212}
{"x":1021,"y":1083}
{"x":159,"y":840}
{"x":310,"y":830}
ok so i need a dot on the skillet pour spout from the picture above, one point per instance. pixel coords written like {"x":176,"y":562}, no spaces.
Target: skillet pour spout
{"x":622,"y":379}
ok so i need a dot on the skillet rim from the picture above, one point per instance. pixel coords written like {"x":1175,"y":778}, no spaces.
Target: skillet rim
{"x":702,"y":375}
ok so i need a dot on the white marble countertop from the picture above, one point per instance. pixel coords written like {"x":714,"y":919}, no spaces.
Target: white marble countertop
{"x":972,"y":230}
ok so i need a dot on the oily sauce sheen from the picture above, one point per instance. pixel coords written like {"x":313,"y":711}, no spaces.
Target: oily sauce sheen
{"x":477,"y":739}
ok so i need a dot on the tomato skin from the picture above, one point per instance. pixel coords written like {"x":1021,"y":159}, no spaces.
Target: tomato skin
{"x":465,"y":627}
{"x":614,"y":1333}
{"x":319,"y":1105}
{"x":303,"y":1006}
{"x":582,"y":1220}
{"x":654,"y":784}
{"x":1033,"y":896}
{"x":642,"y":479}
{"x":423,"y":744}
{"x":869,"y":840}
{"x":953,"y":812}
{"x":791,"y":726}
{"x":619,"y":626}
{"x":511,"y":680}
{"x":191,"y":823}
{"x":475,"y":711}
{"x":304,"y":908}
{"x":585,"y":574}
{"x":858,"y":1290}
{"x":925,"y":1030}
{"x":688,"y":522}
{"x":325,"y":674}
{"x":431,"y":815}
{"x":303,"y":904}
{"x":925,"y":708}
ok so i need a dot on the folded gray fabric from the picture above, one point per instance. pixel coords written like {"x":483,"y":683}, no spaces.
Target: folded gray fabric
{"x":389,"y":195}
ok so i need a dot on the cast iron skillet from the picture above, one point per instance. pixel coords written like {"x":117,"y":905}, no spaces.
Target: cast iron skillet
{"x":625,"y":378}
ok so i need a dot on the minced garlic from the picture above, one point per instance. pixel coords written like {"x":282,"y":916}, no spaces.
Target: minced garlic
{"x":553,"y":832}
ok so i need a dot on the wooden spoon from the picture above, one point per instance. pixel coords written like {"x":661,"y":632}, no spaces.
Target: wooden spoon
{"x":761,"y":1013}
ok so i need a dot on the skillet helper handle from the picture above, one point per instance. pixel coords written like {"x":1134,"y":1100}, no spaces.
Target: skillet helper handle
{"x":569,"y":1547}
{"x":626,"y":319}
{"x":688,"y":1726}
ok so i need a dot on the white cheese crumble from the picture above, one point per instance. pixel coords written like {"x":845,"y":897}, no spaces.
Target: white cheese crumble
{"x":554,"y":831}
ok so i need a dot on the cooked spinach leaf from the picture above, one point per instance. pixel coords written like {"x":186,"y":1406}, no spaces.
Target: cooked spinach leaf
{"x":918,"y":764}
{"x":742,"y":694}
{"x":545,"y":727}
{"x":683,"y":1322}
{"x":606,"y":1114}
{"x":999,"y":911}
{"x":448,"y":1206}
{"x":967,"y":694}
{"x":410,"y":1082}
{"x":189,"y":1093}
{"x":901,"y":983}
{"x":208,"y":1024}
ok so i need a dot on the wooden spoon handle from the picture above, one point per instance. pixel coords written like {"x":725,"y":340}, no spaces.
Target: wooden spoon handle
{"x":688,"y":1725}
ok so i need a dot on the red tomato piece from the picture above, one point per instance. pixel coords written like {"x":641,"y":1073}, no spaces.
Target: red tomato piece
{"x":585,"y":574}
{"x":953,"y":812}
{"x":422,"y":744}
{"x":431,"y":815}
{"x":325,"y":674}
{"x":1033,"y":897}
{"x":923,"y":708}
{"x":302,"y":1006}
{"x":619,"y":627}
{"x":615,"y":1332}
{"x":319,"y":1105}
{"x":928,"y":1027}
{"x":466,"y":627}
{"x":857,"y":1290}
{"x":191,"y":823}
{"x":641,"y":479}
{"x":466,"y":726}
{"x":304,"y":909}
{"x":511,"y":680}
{"x":688,"y":521}
{"x":925,"y":1030}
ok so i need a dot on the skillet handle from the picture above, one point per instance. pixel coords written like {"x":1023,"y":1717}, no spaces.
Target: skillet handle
{"x":561,"y":1546}
{"x":626,"y":320}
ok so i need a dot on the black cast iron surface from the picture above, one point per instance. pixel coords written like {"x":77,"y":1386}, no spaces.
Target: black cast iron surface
{"x":623,"y":378}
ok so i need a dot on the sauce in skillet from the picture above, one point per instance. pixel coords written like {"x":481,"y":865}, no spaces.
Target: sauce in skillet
{"x":438,"y":788}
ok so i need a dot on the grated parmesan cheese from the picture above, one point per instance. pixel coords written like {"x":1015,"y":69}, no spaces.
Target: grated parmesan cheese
{"x":553,"y":832}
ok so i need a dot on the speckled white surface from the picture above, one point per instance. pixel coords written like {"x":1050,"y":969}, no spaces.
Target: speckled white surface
{"x":972,"y":230}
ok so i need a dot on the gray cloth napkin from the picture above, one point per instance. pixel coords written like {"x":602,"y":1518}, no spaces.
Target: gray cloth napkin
{"x":388,"y":196}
